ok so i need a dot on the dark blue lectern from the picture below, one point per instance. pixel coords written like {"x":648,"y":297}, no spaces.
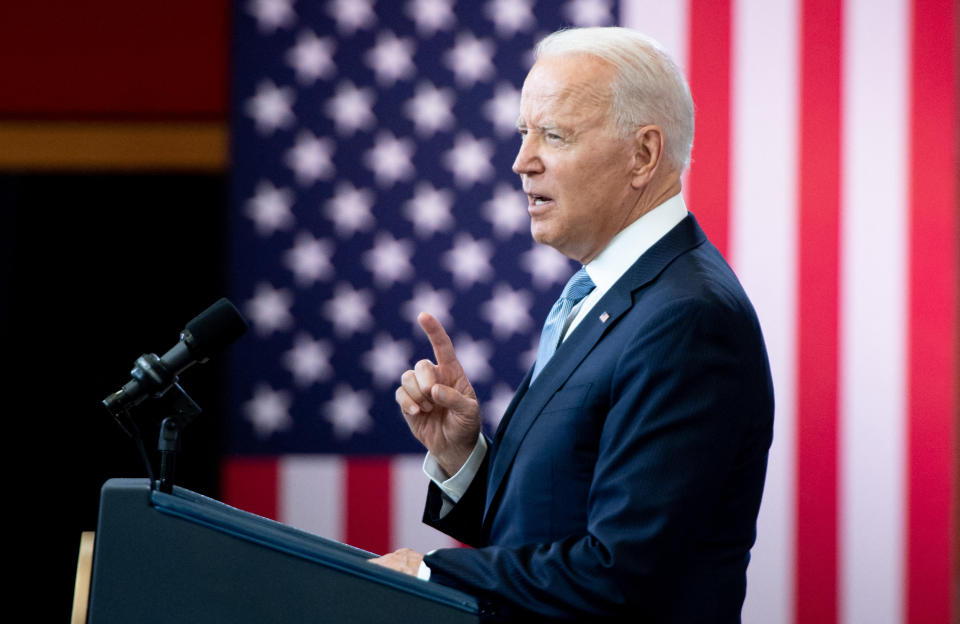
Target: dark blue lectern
{"x":182,"y":557}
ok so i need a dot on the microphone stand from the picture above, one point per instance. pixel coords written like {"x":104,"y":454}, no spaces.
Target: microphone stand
{"x":153,"y":375}
{"x":184,"y":409}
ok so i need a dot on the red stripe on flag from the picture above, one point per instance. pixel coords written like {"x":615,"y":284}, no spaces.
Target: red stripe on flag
{"x":251,"y":484}
{"x":368,"y":504}
{"x":931,"y":451}
{"x":709,"y":73}
{"x":818,"y":315}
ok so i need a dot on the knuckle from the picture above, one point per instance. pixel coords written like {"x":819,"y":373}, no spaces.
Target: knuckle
{"x":410,"y":383}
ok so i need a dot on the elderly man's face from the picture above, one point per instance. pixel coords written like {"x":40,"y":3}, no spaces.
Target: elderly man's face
{"x":576,"y":171}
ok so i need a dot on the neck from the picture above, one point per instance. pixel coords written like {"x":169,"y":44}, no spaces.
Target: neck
{"x":652,"y":195}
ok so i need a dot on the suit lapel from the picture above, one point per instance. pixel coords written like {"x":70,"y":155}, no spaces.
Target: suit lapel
{"x":530,"y":399}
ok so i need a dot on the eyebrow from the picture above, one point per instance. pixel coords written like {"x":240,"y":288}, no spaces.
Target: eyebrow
{"x":542,"y":127}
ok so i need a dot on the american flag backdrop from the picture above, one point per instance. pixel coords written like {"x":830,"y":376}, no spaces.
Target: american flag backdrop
{"x":372,"y":144}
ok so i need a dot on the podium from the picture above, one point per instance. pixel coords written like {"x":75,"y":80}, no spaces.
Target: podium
{"x":183,"y":557}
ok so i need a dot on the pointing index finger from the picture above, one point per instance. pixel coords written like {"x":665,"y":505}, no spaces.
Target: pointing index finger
{"x":439,"y":340}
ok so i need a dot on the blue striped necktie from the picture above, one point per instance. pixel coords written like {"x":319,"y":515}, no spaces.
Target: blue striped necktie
{"x":576,"y":289}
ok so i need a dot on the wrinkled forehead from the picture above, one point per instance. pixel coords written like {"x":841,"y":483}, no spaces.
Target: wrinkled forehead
{"x":571,"y":83}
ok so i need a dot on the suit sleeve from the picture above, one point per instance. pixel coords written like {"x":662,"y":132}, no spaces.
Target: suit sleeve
{"x":686,"y":431}
{"x":463,"y":521}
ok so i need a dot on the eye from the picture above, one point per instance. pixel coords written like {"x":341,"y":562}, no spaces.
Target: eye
{"x":553,"y":137}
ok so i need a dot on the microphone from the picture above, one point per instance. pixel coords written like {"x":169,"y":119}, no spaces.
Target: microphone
{"x":207,"y":334}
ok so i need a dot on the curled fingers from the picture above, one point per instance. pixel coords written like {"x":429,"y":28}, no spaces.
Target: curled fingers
{"x":413,"y":395}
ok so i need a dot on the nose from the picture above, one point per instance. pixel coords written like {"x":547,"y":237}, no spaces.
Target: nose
{"x":528,"y":159}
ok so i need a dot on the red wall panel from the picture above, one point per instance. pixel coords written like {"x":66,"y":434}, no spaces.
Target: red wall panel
{"x":114,"y":58}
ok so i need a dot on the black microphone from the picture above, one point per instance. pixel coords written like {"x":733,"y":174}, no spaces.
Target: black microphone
{"x":208,"y":334}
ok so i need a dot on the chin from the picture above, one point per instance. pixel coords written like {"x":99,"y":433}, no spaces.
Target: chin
{"x":542,"y":232}
{"x":544,"y":240}
{"x":552,"y":240}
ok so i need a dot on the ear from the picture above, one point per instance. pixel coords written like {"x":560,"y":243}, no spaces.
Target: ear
{"x":648,"y":154}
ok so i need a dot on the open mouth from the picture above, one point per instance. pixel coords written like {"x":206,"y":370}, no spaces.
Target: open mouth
{"x":538,"y":200}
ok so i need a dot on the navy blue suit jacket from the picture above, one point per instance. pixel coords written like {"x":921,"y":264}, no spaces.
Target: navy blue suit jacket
{"x":624,"y":483}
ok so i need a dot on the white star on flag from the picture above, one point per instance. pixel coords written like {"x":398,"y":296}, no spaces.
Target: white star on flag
{"x":390,"y":159}
{"x":309,"y":259}
{"x":503,"y":108}
{"x":427,"y":299}
{"x":469,"y":260}
{"x":268,"y":410}
{"x":387,"y":360}
{"x":269,"y":309}
{"x":508,"y":311}
{"x":530,"y":56}
{"x":351,"y":108}
{"x":471,"y":59}
{"x":271,"y":107}
{"x":430,"y":109}
{"x":391,"y":59}
{"x":272,"y":14}
{"x":349,"y":310}
{"x":349,"y":411}
{"x":309,"y":360}
{"x":429,"y":210}
{"x":350,"y":209}
{"x":510,"y":16}
{"x":526,"y":359}
{"x":507,"y":211}
{"x":588,"y":12}
{"x":312,"y":57}
{"x":431,"y":16}
{"x":498,"y":403}
{"x":389,"y":260}
{"x":352,"y":15}
{"x":469,"y":160}
{"x":311,"y":158}
{"x":474,"y":356}
{"x":270,"y":208}
{"x":546,"y":266}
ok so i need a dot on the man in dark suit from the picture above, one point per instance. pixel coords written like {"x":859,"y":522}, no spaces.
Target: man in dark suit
{"x":625,"y":478}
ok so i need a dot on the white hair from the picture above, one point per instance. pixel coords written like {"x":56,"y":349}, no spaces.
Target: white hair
{"x":649,"y":87}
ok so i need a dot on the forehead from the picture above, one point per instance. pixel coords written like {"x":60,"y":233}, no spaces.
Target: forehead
{"x":568,"y":85}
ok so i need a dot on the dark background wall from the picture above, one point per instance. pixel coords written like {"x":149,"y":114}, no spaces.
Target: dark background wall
{"x":103,"y":268}
{"x":112,"y":233}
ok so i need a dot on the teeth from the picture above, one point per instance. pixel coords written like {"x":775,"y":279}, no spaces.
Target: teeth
{"x":538,"y":201}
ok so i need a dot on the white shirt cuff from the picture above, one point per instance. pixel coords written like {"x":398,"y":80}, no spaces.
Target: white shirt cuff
{"x":423,"y":572}
{"x":454,"y":487}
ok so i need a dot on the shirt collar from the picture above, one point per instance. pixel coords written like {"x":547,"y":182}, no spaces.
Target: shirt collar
{"x":632,"y":241}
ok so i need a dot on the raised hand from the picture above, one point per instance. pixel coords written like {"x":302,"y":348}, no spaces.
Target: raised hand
{"x":439,"y":403}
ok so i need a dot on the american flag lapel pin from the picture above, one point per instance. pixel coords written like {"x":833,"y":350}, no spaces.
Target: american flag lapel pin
{"x":604,"y":317}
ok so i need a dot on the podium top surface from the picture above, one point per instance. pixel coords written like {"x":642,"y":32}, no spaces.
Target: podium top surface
{"x":196,"y":508}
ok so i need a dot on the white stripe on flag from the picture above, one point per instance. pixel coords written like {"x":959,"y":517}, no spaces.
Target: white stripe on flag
{"x":874,"y":301}
{"x":311,"y":495}
{"x":666,"y":22}
{"x":763,"y":252}
{"x":409,"y":491}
